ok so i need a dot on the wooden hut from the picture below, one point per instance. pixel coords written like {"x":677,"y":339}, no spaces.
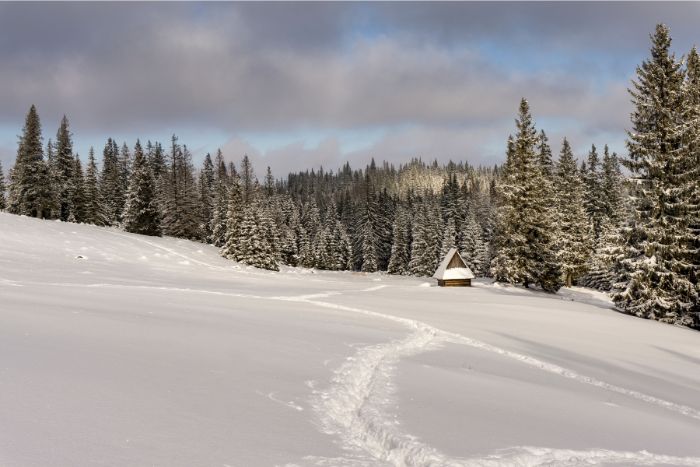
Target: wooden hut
{"x":453,"y":271}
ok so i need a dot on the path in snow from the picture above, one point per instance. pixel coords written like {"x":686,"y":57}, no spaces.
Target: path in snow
{"x":354,"y":407}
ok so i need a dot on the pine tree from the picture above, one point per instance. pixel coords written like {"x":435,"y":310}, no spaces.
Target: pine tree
{"x":612,"y":192}
{"x":593,"y":202}
{"x":180,"y":217}
{"x":206,"y":198}
{"x":110,"y":183}
{"x":508,"y":242}
{"x":691,"y":92}
{"x":654,"y":281}
{"x":425,"y":248}
{"x":64,"y":170}
{"x":94,"y":202}
{"x":30,"y":187}
{"x":256,"y":247}
{"x":370,"y":239}
{"x":78,"y":201}
{"x":401,"y":245}
{"x":602,"y":267}
{"x":141,"y":214}
{"x":472,"y":247}
{"x":269,"y":183}
{"x":248,"y":180}
{"x":234,"y":219}
{"x":527,"y":251}
{"x":221,"y":201}
{"x":574,"y":232}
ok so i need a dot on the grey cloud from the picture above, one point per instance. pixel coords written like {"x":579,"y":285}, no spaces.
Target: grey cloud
{"x":160,"y":67}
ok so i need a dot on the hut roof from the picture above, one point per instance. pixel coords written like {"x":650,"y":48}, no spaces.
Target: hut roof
{"x":453,"y":267}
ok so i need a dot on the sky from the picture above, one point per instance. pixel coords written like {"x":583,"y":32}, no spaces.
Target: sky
{"x":302,"y":85}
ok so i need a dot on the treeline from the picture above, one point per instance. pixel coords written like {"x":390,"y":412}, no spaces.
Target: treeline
{"x":536,"y":220}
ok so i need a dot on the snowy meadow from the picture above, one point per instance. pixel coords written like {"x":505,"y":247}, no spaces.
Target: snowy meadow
{"x":122,"y":349}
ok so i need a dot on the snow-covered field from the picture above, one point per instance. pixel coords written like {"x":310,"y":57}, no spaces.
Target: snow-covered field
{"x":122,"y":350}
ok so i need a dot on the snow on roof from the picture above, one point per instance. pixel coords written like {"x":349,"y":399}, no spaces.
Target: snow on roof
{"x":445,"y":272}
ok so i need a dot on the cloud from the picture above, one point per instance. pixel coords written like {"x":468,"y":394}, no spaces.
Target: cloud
{"x":442,"y":78}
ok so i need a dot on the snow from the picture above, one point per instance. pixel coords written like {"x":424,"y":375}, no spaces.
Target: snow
{"x":157,"y":351}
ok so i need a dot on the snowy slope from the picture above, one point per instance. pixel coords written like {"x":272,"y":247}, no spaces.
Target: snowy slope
{"x":122,"y":350}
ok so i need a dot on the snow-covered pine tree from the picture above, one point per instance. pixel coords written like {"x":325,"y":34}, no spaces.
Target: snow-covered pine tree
{"x":180,"y":217}
{"x":529,"y":256}
{"x":425,"y":248}
{"x":3,"y":198}
{"x":110,"y":182}
{"x":508,"y":241}
{"x":141,"y":213}
{"x":401,"y":245}
{"x":94,"y":202}
{"x":234,"y":218}
{"x":124,"y":174}
{"x":269,"y":183}
{"x":78,"y":201}
{"x":612,"y":188}
{"x":544,"y":152}
{"x":248,"y":180}
{"x":603,"y":265}
{"x":575,"y":237}
{"x":255,"y":247}
{"x":206,"y":198}
{"x":692,"y":118}
{"x":383,"y":229}
{"x":221,"y":201}
{"x":370,"y":239}
{"x":592,"y":200}
{"x":654,"y":283}
{"x":30,"y":184}
{"x":343,"y":252}
{"x":64,"y":170}
{"x":472,"y":247}
{"x":289,"y":248}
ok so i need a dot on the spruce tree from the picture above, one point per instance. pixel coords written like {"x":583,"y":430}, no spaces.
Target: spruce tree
{"x":655,"y":271}
{"x":692,"y":180}
{"x":472,"y":247}
{"x":256,"y":247}
{"x":221,"y":201}
{"x":425,"y":248}
{"x":401,"y":245}
{"x":574,"y":228}
{"x":110,"y":183}
{"x":527,"y":248}
{"x":64,"y":170}
{"x":248,"y":180}
{"x":78,"y":201}
{"x":234,"y":219}
{"x":180,"y":217}
{"x":141,"y":214}
{"x":94,"y":202}
{"x":206,"y":198}
{"x":370,"y":239}
{"x":593,"y":202}
{"x":30,"y":183}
